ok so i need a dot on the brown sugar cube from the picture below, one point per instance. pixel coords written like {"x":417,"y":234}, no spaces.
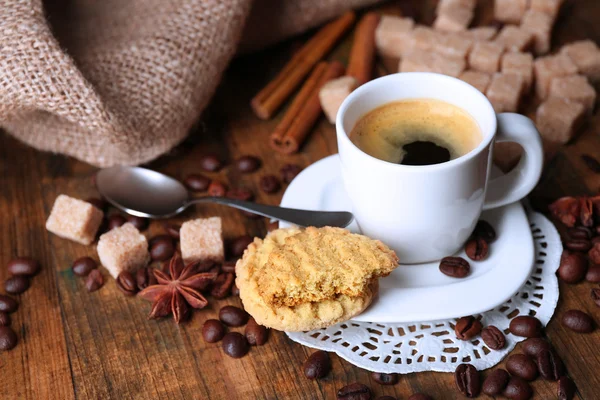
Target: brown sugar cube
{"x":513,"y":38}
{"x":480,"y":33}
{"x":201,"y":240}
{"x":586,"y":56}
{"x":392,"y":35}
{"x":519,"y":64}
{"x":507,"y":155}
{"x":511,"y":11}
{"x":540,"y":25}
{"x":453,"y":19}
{"x":333,"y":93}
{"x":505,"y":92}
{"x":574,"y":88}
{"x":427,"y":61}
{"x":479,"y":80}
{"x":550,"y":7}
{"x":445,"y":5}
{"x":485,"y":57}
{"x":453,"y":45}
{"x":74,"y":219}
{"x":548,"y":68}
{"x":123,"y":249}
{"x":422,"y":38}
{"x":558,"y":120}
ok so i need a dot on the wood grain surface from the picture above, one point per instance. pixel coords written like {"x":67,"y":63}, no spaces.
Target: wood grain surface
{"x":75,"y":344}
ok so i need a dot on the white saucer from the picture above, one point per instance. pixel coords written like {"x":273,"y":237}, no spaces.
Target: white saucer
{"x":420,"y":292}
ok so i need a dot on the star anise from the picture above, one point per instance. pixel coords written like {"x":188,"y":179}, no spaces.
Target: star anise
{"x":177,"y":290}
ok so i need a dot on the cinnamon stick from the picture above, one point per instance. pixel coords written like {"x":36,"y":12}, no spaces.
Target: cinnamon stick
{"x":306,"y":115}
{"x":362,"y":54}
{"x":268,"y":100}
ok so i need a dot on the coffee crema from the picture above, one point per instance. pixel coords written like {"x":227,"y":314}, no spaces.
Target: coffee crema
{"x":416,"y":132}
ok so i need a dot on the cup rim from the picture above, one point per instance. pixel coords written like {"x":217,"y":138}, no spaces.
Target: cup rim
{"x":442,"y":79}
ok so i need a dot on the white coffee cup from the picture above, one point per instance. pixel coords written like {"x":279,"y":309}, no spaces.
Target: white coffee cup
{"x":427,"y":212}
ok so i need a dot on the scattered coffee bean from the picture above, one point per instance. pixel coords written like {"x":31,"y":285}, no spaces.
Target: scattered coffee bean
{"x":493,"y":337}
{"x":495,"y":382}
{"x":115,"y":221}
{"x":484,"y":230}
{"x":83,"y":266}
{"x":235,"y":291}
{"x":317,"y":365}
{"x":522,"y":365}
{"x":525,"y":326}
{"x":256,"y":334}
{"x":210,"y":162}
{"x":4,"y":319}
{"x":235,"y":345}
{"x":98,"y":203}
{"x":213,"y":330}
{"x":596,"y":240}
{"x":233,"y":316}
{"x":238,"y":245}
{"x":533,"y":346}
{"x":8,"y":338}
{"x":580,"y":232}
{"x":162,"y":248}
{"x":467,"y":328}
{"x":23,"y":266}
{"x":578,"y":244}
{"x":594,"y":254}
{"x":354,"y":391}
{"x":269,"y":184}
{"x":240,"y":194}
{"x":217,"y":189}
{"x":595,"y":294}
{"x":141,"y":224}
{"x":578,"y":321}
{"x":476,"y":249}
{"x":16,"y":284}
{"x":455,"y":267}
{"x":289,"y":172}
{"x":385,"y":379}
{"x":8,"y":304}
{"x":172,"y":230}
{"x":593,"y":274}
{"x":221,"y":287}
{"x":566,"y":388}
{"x":144,"y":277}
{"x":127,"y":283}
{"x":228,"y":266}
{"x":550,"y":365}
{"x":196,"y":183}
{"x":247,"y":164}
{"x":94,"y":281}
{"x":572,"y":267}
{"x":517,"y":389}
{"x":420,"y":396}
{"x":586,"y":215}
{"x":467,"y":381}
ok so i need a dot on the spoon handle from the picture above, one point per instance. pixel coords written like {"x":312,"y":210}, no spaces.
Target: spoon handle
{"x":298,"y":217}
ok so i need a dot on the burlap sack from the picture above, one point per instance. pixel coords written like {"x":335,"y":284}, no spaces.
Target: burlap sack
{"x":122,"y":81}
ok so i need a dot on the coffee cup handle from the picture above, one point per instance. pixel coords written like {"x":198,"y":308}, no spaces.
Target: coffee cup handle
{"x":516,"y":184}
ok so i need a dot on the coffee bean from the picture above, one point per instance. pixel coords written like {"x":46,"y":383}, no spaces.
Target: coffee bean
{"x":247,"y":164}
{"x":550,"y":365}
{"x":455,"y":267}
{"x":235,"y":345}
{"x":8,"y":338}
{"x":525,"y":326}
{"x":317,"y":365}
{"x":572,"y":267}
{"x":144,"y":277}
{"x":566,"y":388}
{"x":16,"y":284}
{"x":596,"y":240}
{"x":238,"y":245}
{"x":476,"y":249}
{"x":127,"y":283}
{"x":83,"y":266}
{"x":217,"y":189}
{"x":269,"y":184}
{"x":115,"y":221}
{"x":8,"y":304}
{"x":172,"y":230}
{"x":289,"y":172}
{"x":385,"y":379}
{"x":228,"y":266}
{"x":533,"y":346}
{"x":100,"y":204}
{"x":221,"y":287}
{"x":233,"y":316}
{"x":593,"y":274}
{"x":467,"y":328}
{"x":517,"y":389}
{"x":578,"y":244}
{"x":213,"y":330}
{"x":162,"y":248}
{"x":23,"y":266}
{"x":578,"y":321}
{"x":4,"y":319}
{"x":495,"y":382}
{"x":484,"y":230}
{"x":140,"y":223}
{"x":256,"y":334}
{"x":467,"y":381}
{"x":580,"y":232}
{"x":595,"y":294}
{"x":493,"y":337}
{"x":94,"y":281}
{"x":240,"y":194}
{"x":196,"y":182}
{"x":210,"y":162}
{"x":523,"y":366}
{"x":420,"y":396}
{"x":354,"y":391}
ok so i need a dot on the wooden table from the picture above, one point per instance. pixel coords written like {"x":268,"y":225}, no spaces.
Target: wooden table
{"x":75,"y":344}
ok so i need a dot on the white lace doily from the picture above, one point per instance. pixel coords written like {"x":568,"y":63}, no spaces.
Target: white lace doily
{"x":432,"y":346}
